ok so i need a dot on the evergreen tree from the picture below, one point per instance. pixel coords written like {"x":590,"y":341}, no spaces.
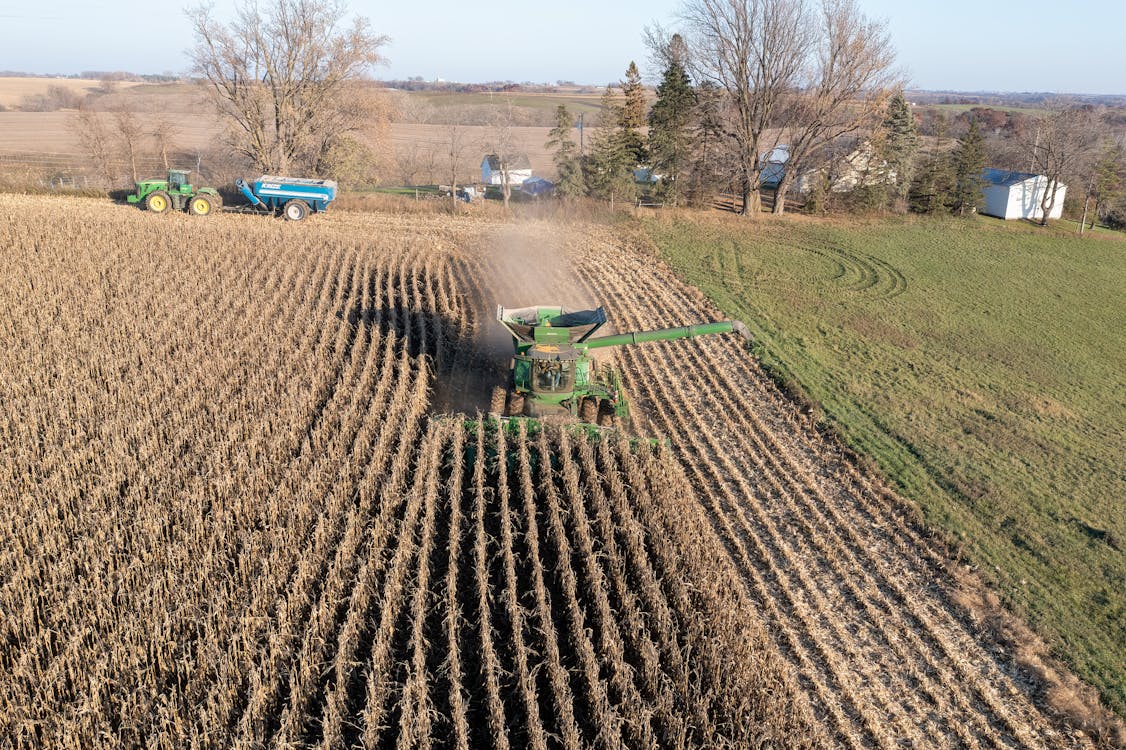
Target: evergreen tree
{"x":969,"y":161}
{"x":712,"y":165}
{"x":670,"y":133}
{"x":1110,"y":180}
{"x":933,"y":185}
{"x":570,"y":174}
{"x":900,"y":144}
{"x":631,"y":115}
{"x":609,"y":169}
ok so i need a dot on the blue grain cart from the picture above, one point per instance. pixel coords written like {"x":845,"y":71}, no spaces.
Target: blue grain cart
{"x":292,"y":197}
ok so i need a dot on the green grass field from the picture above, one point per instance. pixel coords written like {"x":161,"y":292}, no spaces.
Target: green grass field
{"x":981,"y":365}
{"x":957,"y":109}
{"x":576,"y":103}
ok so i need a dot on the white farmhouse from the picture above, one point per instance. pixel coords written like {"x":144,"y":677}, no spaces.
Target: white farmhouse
{"x":1018,"y":195}
{"x":519,"y":170}
{"x":855,"y":164}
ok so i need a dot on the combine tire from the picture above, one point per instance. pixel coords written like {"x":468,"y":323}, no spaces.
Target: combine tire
{"x":295,"y":210}
{"x":515,"y":406}
{"x":606,"y":415}
{"x":200,"y":205}
{"x":157,"y":202}
{"x":588,"y":410}
{"x":496,"y":404}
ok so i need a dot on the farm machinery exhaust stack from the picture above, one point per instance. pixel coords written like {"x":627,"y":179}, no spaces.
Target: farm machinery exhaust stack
{"x":552,"y":371}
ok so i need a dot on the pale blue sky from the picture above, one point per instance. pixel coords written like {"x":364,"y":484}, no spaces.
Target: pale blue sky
{"x":1032,"y":45}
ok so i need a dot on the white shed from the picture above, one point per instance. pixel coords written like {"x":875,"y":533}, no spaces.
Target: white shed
{"x":1018,"y":195}
{"x":519,"y":170}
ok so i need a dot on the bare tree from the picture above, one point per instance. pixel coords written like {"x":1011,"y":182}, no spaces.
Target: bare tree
{"x":163,"y":130}
{"x":351,"y":140}
{"x":456,"y":143}
{"x":846,"y":86}
{"x":1059,"y":145}
{"x":1100,"y":175}
{"x":501,"y":144}
{"x":95,"y":141}
{"x":407,"y":159}
{"x":754,"y":50}
{"x":430,"y":160}
{"x":280,"y":76}
{"x":131,"y":132}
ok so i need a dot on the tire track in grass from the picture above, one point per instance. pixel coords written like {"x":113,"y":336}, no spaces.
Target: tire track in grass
{"x":982,"y":695}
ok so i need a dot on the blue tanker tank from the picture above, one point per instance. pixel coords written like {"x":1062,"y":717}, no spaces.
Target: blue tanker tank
{"x":292,"y":197}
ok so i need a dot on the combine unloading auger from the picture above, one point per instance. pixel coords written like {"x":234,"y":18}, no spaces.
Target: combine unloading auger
{"x":552,"y":371}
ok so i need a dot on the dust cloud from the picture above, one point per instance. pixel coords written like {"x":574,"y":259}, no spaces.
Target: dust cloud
{"x":528,"y":265}
{"x":522,"y":265}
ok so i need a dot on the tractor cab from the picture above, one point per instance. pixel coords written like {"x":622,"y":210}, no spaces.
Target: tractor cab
{"x":178,"y":181}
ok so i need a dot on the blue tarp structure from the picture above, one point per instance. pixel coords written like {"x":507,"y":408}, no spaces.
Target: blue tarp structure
{"x":537,"y":186}
{"x":774,"y":165}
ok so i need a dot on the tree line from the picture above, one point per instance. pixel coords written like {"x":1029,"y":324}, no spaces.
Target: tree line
{"x":783,"y":98}
{"x":788,"y":97}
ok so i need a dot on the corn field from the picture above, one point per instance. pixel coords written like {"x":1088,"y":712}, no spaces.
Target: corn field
{"x":249,"y":500}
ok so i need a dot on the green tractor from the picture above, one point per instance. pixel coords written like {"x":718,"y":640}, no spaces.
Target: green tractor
{"x":553,"y":372}
{"x":158,"y":195}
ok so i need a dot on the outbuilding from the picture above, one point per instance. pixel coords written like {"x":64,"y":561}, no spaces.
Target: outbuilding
{"x":1019,"y":195}
{"x":519,"y":169}
{"x":537,"y":186}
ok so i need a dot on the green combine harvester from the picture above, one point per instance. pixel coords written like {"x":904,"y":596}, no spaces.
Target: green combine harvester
{"x":159,"y":195}
{"x":552,"y":371}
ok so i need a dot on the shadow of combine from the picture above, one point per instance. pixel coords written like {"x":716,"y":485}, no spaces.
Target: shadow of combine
{"x":464,"y":367}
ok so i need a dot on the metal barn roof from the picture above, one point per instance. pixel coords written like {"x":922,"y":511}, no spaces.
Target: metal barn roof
{"x":1006,"y":178}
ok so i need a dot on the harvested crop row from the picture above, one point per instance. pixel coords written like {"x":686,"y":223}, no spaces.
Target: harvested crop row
{"x":855,"y":605}
{"x":230,"y":518}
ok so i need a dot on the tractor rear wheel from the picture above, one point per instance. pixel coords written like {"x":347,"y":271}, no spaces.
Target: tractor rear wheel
{"x":200,"y":205}
{"x":295,"y":210}
{"x":157,"y":202}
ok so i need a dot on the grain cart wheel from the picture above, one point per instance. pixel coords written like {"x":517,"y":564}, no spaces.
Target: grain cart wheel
{"x":200,"y":206}
{"x":157,"y":202}
{"x":295,"y":210}
{"x":588,"y":410}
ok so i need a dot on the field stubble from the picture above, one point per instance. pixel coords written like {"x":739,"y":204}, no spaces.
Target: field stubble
{"x":235,"y":514}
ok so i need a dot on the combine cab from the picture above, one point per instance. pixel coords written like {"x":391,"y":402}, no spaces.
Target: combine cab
{"x":553,"y":372}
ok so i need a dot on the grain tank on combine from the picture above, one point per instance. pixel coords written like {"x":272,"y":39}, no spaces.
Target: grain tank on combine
{"x":553,"y":372}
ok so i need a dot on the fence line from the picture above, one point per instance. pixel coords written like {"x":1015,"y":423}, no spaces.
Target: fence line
{"x":60,"y":170}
